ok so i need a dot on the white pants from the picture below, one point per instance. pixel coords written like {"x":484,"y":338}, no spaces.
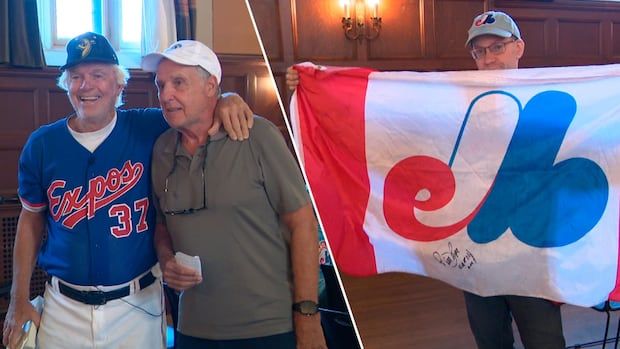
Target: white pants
{"x":121,"y":323}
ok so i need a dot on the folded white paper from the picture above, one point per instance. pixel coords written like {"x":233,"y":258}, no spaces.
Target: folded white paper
{"x":192,"y":262}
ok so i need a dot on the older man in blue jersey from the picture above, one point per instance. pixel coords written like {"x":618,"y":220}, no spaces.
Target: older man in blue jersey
{"x":85,"y":179}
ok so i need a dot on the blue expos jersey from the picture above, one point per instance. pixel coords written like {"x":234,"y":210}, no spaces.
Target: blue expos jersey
{"x":100,"y":218}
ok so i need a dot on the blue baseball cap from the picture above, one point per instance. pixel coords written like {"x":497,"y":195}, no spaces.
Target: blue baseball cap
{"x":89,"y":47}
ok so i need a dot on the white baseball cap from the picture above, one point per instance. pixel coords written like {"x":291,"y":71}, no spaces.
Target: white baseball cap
{"x":186,"y":52}
{"x":493,"y":23}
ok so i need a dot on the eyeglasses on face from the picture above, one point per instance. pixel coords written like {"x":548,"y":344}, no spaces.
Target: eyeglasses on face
{"x":173,"y":212}
{"x":496,"y":48}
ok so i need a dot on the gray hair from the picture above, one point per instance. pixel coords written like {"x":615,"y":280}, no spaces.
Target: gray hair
{"x":204,"y":74}
{"x":121,"y":73}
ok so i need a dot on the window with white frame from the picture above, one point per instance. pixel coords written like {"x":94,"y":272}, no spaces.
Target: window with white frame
{"x":118,"y":20}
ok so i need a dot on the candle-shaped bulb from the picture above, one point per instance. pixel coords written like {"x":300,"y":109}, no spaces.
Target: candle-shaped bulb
{"x":359,"y":11}
{"x":374,"y":4}
{"x":345,"y":6}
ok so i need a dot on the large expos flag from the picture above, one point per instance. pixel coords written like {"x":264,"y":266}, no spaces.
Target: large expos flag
{"x":497,"y":182}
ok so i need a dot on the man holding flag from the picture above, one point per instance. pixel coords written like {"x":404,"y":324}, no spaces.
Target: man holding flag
{"x":495,"y":42}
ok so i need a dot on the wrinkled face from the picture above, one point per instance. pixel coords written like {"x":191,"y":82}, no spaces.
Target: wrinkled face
{"x":185,"y":95}
{"x":498,"y":52}
{"x":93,"y":90}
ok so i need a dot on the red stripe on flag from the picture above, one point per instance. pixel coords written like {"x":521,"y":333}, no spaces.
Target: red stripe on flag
{"x":332,"y":126}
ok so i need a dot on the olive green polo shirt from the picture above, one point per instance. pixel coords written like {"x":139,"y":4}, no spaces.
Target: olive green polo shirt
{"x":243,"y":246}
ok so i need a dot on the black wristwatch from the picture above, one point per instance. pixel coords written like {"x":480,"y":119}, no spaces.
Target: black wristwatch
{"x":306,"y":308}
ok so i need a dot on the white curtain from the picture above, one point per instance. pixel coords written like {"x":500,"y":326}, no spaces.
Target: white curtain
{"x":159,"y":26}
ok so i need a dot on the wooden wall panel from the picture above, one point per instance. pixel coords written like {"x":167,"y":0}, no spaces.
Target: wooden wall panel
{"x":10,"y":140}
{"x":234,"y":83}
{"x":19,"y":105}
{"x":283,"y":91}
{"x":615,"y":41}
{"x":319,"y":33}
{"x":252,"y":81}
{"x":534,"y":33}
{"x":58,"y":106}
{"x":15,"y":119}
{"x":451,"y":20}
{"x":136,"y":99}
{"x":402,"y":23}
{"x":579,"y":38}
{"x":8,"y":175}
{"x":575,"y":32}
{"x":267,"y":16}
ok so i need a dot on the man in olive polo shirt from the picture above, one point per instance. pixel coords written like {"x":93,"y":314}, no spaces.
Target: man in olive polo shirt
{"x":241,"y":207}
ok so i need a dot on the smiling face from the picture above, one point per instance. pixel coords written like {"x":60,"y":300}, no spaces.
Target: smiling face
{"x":93,"y":90}
{"x":508,"y":58}
{"x":187,"y":96}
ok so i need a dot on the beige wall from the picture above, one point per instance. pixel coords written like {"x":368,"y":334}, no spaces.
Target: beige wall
{"x":226,"y":26}
{"x":204,"y":29}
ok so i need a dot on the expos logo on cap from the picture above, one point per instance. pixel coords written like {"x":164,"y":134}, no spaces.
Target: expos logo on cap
{"x":174,"y":47}
{"x":89,"y":47}
{"x":486,"y":18}
{"x":493,"y":23}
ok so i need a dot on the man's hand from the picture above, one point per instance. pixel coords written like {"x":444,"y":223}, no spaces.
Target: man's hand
{"x":236,"y":116}
{"x":177,"y":276}
{"x":18,"y":313}
{"x":292,"y":78}
{"x":30,"y":228}
{"x":309,"y":332}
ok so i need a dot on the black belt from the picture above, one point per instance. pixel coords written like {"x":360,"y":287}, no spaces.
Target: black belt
{"x":102,"y":297}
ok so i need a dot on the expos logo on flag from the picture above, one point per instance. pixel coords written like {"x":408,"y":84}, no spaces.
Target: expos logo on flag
{"x":498,"y":182}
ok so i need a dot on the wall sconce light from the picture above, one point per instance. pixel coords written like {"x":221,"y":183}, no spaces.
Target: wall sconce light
{"x":357,"y":29}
